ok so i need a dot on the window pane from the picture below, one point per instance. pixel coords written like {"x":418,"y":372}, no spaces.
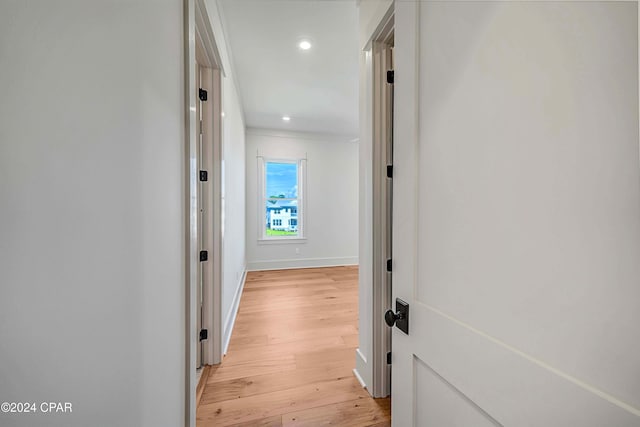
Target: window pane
{"x":281,"y":202}
{"x":282,"y":180}
{"x":282,"y":217}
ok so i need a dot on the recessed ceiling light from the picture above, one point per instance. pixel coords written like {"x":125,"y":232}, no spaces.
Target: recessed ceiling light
{"x":304,"y":45}
{"x":286,"y":118}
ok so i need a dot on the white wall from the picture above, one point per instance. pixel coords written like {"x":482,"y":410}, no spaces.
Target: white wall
{"x":370,"y":14}
{"x":233,"y":179}
{"x":234,"y":261}
{"x":331,"y":217}
{"x":92,"y":276}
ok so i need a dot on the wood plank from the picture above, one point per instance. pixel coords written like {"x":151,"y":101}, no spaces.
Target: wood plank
{"x":283,"y":349}
{"x":284,"y":298}
{"x":325,"y":356}
{"x":301,"y":329}
{"x":269,"y":404}
{"x":337,"y":310}
{"x":269,"y":284}
{"x":279,"y":336}
{"x":254,"y":367}
{"x":259,"y":384}
{"x":358,"y":412}
{"x":243,"y":342}
{"x":275,"y":421}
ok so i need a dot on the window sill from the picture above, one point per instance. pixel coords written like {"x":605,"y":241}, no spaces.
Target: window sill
{"x":279,"y":241}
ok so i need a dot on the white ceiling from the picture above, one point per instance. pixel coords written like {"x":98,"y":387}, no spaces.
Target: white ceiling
{"x":317,"y":88}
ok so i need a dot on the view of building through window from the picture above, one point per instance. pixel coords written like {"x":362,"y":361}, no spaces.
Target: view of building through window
{"x":281,"y":202}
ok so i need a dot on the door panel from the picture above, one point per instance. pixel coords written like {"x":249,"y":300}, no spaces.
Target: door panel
{"x":443,"y":403}
{"x":517,"y":244}
{"x":506,"y":384}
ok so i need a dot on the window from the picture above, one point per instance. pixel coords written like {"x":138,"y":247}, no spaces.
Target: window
{"x":281,"y":199}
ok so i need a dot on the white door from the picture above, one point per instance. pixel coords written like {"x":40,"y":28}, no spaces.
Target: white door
{"x":517,"y":214}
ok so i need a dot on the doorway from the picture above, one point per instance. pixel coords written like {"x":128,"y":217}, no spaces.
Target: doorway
{"x":208,"y":124}
{"x":203,"y":207}
{"x":383,"y":81}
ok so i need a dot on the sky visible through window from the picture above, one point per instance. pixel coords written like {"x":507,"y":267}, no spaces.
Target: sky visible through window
{"x":282,"y":180}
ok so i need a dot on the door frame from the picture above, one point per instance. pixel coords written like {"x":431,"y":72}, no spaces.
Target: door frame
{"x":198,"y":31}
{"x":380,"y":46}
{"x":208,"y":60}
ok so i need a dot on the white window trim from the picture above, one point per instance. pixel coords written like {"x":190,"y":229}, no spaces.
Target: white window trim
{"x":301,"y":237}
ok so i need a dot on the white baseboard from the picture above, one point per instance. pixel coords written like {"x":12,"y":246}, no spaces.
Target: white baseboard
{"x":231,"y":316}
{"x":285,"y":264}
{"x":362,"y":369}
{"x":359,"y":378}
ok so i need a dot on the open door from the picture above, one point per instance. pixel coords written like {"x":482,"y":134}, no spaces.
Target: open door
{"x":517,"y":215}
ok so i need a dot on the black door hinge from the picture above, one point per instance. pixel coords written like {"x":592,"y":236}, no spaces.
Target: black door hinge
{"x":202,"y":94}
{"x":204,"y":334}
{"x":204,"y":255}
{"x":390,"y":77}
{"x":389,"y":171}
{"x":389,"y":265}
{"x":204,"y":176}
{"x":388,"y":358}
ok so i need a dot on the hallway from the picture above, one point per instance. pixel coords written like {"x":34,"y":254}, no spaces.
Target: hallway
{"x":291,"y":356}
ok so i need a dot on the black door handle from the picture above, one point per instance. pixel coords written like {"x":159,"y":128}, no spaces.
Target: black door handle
{"x":400,"y":317}
{"x":390,"y":317}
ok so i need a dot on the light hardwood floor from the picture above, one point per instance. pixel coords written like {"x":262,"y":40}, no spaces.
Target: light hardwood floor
{"x":291,"y":355}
